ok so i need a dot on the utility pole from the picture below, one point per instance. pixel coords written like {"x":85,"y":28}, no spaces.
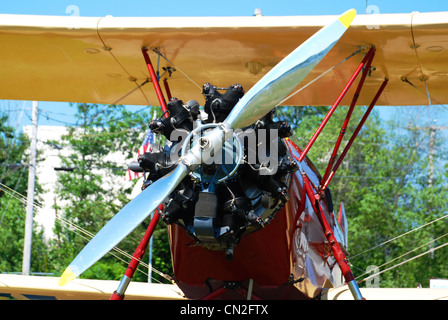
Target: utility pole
{"x":26,"y":264}
{"x":432,"y":135}
{"x":433,"y":129}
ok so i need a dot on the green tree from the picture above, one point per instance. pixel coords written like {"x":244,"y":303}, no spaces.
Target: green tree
{"x":383,"y":182}
{"x":12,"y":156}
{"x":13,"y":190}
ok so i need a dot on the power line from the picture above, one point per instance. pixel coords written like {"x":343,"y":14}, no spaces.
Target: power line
{"x":405,"y":254}
{"x":406,"y":261}
{"x":83,"y":233}
{"x":401,"y":235}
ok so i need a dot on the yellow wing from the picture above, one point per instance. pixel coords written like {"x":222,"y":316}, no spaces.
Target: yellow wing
{"x":99,"y":60}
{"x":46,"y":288}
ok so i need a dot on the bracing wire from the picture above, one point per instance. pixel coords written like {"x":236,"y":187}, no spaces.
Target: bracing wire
{"x":108,"y":49}
{"x":320,"y":76}
{"x":430,"y":98}
{"x":186,"y":76}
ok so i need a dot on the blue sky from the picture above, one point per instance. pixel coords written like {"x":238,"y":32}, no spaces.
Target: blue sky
{"x":216,"y":8}
{"x":58,"y":114}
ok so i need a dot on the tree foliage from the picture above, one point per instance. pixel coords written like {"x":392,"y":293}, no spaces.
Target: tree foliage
{"x":383,"y":182}
{"x":390,"y":197}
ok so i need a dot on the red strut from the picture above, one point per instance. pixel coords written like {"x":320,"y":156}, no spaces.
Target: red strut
{"x":367,"y":61}
{"x":136,"y":258}
{"x":333,"y":108}
{"x":336,"y":249}
{"x":358,"y":128}
{"x":155,"y":81}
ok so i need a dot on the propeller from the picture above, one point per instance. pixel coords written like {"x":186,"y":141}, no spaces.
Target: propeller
{"x":256,"y":103}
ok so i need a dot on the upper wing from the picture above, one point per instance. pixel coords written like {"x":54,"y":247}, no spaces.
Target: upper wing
{"x":99,"y":60}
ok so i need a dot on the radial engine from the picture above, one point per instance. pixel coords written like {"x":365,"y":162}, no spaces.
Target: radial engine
{"x":240,"y":189}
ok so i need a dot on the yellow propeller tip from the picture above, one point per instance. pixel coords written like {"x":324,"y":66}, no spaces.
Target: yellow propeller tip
{"x":66,"y":277}
{"x":347,"y":18}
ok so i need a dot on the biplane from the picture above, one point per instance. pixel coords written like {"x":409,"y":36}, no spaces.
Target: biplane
{"x":265,"y":228}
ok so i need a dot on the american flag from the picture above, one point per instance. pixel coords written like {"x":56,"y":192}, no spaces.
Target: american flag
{"x":145,"y":147}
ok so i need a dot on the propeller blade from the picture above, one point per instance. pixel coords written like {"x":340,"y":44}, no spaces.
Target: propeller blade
{"x":123,"y":223}
{"x":267,"y":93}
